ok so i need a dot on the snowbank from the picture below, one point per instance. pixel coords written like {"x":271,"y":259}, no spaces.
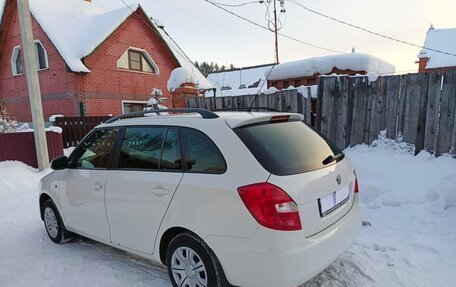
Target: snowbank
{"x":181,"y":76}
{"x":443,"y":40}
{"x":324,"y":65}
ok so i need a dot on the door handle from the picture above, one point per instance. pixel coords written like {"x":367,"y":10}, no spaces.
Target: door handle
{"x":97,"y":186}
{"x":160,"y":191}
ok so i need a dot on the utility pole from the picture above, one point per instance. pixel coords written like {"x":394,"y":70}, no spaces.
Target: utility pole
{"x":275,"y":32}
{"x":31,"y":70}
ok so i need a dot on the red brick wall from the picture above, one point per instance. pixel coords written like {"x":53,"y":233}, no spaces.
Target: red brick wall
{"x":104,"y":89}
{"x":58,"y":86}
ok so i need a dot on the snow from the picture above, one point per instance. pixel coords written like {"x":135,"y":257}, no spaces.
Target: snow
{"x":408,"y":235}
{"x":304,"y":90}
{"x":53,"y":117}
{"x":25,"y":128}
{"x":76,"y":27}
{"x":443,"y":40}
{"x":372,"y":76}
{"x":181,"y":76}
{"x":324,"y":65}
{"x":271,"y":90}
{"x":2,"y":7}
{"x":235,"y":78}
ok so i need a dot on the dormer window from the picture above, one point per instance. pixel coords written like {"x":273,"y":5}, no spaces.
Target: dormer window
{"x":16,"y":61}
{"x":137,"y":60}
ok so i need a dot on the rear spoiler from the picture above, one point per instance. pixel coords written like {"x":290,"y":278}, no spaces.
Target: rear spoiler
{"x":264,"y":118}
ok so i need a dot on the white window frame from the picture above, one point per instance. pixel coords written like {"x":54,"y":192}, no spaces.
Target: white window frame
{"x":132,"y":102}
{"x":46,"y":59}
{"x":16,"y":53}
{"x":149,"y":58}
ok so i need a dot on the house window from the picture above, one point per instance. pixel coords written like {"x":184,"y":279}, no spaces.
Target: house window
{"x":134,"y":61}
{"x":298,"y":83}
{"x":41,"y":56}
{"x":286,"y":84}
{"x":16,"y":61}
{"x":129,"y":107}
{"x":137,"y":60}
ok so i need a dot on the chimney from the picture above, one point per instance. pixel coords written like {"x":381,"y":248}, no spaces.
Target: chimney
{"x":88,"y":1}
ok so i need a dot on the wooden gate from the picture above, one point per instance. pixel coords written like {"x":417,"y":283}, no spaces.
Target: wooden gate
{"x":74,"y":129}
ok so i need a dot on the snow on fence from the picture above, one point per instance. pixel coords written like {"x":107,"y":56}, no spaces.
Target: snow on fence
{"x":415,"y":108}
{"x":74,"y":129}
{"x":21,"y":146}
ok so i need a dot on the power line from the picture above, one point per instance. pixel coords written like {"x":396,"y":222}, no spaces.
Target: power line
{"x":239,"y":5}
{"x":368,"y":31}
{"x":266,"y":28}
{"x":181,"y":53}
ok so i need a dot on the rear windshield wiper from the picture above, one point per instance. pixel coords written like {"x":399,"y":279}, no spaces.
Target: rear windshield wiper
{"x":331,"y":158}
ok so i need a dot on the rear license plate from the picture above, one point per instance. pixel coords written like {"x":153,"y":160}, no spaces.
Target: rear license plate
{"x":333,"y":201}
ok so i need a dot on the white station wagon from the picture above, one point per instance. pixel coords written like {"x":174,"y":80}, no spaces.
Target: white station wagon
{"x":253,"y":199}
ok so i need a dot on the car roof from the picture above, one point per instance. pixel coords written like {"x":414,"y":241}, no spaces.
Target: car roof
{"x":233,"y":119}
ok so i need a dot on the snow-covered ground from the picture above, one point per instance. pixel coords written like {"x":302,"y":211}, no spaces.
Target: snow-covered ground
{"x":408,"y":238}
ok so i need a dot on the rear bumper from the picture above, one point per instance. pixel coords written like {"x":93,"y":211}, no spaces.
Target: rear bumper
{"x":287,"y":259}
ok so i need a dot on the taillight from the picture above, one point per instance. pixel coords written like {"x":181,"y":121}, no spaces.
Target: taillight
{"x":356,"y":186}
{"x":271,"y":206}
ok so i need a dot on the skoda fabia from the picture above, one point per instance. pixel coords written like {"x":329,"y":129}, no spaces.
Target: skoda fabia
{"x":253,"y":199}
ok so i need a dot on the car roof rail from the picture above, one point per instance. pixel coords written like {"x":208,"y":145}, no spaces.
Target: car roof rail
{"x":245,"y":109}
{"x":205,"y":114}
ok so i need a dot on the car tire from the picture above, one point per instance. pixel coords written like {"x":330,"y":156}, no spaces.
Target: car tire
{"x":191,"y":263}
{"x":53,"y":223}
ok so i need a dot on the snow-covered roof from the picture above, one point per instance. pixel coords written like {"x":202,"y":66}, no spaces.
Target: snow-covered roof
{"x":77,"y":28}
{"x":443,"y":40}
{"x":236,"y":78}
{"x":324,"y":65}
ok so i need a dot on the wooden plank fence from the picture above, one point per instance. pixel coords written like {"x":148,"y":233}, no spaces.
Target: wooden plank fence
{"x":285,"y":100}
{"x":74,"y":129}
{"x":419,"y":109}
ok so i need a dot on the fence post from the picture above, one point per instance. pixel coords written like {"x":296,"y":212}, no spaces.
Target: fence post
{"x":447,"y":113}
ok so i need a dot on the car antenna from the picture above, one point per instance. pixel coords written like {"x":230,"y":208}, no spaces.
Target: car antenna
{"x":256,"y":96}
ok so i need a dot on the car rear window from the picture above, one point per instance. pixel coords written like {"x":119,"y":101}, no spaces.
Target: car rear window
{"x":288,"y":147}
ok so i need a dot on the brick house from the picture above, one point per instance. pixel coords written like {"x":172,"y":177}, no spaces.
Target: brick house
{"x":442,"y":40}
{"x":92,"y":60}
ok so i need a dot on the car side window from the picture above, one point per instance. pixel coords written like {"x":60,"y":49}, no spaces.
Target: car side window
{"x":95,"y":151}
{"x":171,"y":156}
{"x":202,"y":155}
{"x":141,"y":148}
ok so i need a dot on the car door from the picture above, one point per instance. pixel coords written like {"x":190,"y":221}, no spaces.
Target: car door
{"x":83,"y":197}
{"x":141,"y":185}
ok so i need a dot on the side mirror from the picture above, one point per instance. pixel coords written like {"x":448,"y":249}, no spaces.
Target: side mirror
{"x":60,"y":162}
